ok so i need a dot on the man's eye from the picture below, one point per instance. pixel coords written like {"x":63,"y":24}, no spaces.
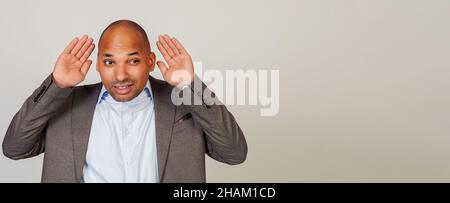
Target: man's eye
{"x":108,"y":62}
{"x":135,"y":61}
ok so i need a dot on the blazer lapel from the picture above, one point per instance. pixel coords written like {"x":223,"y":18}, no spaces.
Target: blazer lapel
{"x":83,"y":107}
{"x":164,"y":118}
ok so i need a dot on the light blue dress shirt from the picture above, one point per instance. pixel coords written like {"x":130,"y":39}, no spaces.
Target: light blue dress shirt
{"x":122,"y":142}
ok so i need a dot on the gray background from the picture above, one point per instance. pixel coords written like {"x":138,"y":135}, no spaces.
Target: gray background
{"x":363,"y":84}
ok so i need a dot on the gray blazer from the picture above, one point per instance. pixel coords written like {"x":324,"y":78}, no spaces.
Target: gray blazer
{"x":58,"y":122}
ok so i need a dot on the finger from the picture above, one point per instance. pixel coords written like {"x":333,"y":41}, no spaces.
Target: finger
{"x":163,"y":51}
{"x":171,"y":45}
{"x":85,"y":67}
{"x":162,"y":67}
{"x":166,"y":46}
{"x":87,"y":53}
{"x":69,"y":47}
{"x":84,"y":47}
{"x":79,"y":44}
{"x":179,"y":46}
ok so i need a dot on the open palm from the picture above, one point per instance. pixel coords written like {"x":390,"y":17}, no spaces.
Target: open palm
{"x":179,"y":70}
{"x":73,"y":64}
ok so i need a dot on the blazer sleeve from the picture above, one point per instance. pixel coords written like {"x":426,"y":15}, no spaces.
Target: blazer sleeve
{"x":25,"y":136}
{"x":225,"y":141}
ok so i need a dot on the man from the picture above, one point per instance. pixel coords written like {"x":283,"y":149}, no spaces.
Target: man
{"x":126,"y":128}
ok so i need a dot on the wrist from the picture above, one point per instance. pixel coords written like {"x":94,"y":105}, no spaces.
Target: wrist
{"x":57,"y":83}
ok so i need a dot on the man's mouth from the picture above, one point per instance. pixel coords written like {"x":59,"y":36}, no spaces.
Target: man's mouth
{"x":122,"y":89}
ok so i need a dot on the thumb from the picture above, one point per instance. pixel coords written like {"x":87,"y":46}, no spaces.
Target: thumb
{"x":162,"y":67}
{"x":85,"y":67}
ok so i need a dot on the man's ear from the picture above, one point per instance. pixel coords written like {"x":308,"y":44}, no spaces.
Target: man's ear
{"x":151,"y":62}
{"x":96,"y":64}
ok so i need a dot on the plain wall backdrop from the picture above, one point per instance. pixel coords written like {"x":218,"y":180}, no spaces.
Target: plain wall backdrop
{"x":364,"y":84}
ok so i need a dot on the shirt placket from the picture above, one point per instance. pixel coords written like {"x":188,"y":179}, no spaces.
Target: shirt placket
{"x":126,"y":122}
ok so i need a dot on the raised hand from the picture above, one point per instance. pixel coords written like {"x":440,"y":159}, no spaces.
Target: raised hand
{"x":73,"y":64}
{"x":179,"y":70}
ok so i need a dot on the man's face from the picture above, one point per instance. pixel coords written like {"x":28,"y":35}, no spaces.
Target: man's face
{"x":124,"y":64}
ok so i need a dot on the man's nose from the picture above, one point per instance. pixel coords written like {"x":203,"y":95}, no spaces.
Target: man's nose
{"x":121,"y":73}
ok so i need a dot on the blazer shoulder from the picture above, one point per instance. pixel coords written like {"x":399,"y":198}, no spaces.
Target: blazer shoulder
{"x":157,"y":81}
{"x":159,"y":85}
{"x":87,"y":92}
{"x":89,"y":87}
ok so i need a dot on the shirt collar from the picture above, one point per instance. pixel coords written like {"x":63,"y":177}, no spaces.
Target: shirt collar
{"x":147,"y":91}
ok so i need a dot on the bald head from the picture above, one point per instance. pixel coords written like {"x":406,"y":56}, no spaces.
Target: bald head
{"x":124,"y":32}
